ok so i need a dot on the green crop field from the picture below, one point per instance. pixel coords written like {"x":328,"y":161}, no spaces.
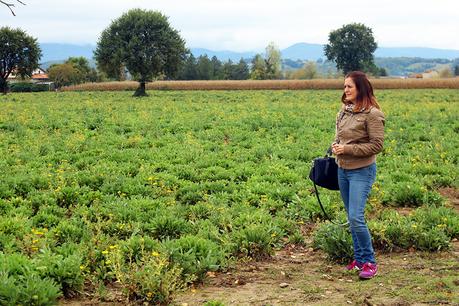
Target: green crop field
{"x":100,"y":188}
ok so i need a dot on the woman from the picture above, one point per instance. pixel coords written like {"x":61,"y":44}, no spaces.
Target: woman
{"x":359,"y":137}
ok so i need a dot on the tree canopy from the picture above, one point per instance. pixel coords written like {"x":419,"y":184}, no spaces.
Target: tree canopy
{"x":19,"y":52}
{"x":143,"y":43}
{"x":351,"y":47}
{"x":267,"y":68}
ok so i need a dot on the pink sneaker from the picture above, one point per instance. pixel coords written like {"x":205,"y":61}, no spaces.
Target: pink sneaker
{"x":369,"y":270}
{"x":354,"y":265}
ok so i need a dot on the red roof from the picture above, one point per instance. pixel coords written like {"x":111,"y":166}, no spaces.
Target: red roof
{"x":40,"y":76}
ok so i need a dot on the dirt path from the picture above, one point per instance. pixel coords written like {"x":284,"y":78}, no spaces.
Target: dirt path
{"x":301,"y":276}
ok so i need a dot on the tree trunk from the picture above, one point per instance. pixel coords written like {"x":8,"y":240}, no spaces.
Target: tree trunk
{"x":3,"y":86}
{"x":140,"y":91}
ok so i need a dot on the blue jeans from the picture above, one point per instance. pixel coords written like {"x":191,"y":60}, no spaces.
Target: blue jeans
{"x":355,"y":185}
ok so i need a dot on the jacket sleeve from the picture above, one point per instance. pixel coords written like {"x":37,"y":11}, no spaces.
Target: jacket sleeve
{"x":375,"y":129}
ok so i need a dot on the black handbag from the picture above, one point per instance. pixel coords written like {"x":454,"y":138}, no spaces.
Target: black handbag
{"x":324,"y":172}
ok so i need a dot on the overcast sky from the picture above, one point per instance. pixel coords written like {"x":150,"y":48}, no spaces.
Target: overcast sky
{"x":248,"y":25}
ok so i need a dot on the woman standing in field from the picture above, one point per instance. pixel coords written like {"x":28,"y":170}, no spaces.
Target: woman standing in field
{"x":359,"y":137}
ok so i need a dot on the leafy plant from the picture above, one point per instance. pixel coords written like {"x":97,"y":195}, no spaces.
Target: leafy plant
{"x":335,"y":240}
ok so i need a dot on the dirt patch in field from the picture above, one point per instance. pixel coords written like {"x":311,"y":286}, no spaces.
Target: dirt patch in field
{"x":452,"y":194}
{"x":303,"y":276}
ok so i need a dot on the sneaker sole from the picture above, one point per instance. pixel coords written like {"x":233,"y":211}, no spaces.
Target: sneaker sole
{"x":367,"y":277}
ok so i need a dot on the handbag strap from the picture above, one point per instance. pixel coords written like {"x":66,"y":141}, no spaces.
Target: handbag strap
{"x":322,"y":207}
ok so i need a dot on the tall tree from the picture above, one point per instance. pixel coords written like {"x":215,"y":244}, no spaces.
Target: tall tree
{"x":64,"y":74}
{"x":143,"y":42}
{"x":188,"y":69}
{"x":456,"y":70}
{"x":19,"y":52}
{"x":258,"y":68}
{"x":351,"y":47}
{"x":81,"y":64}
{"x":11,"y":5}
{"x":227,"y":70}
{"x":241,"y":70}
{"x":204,"y":68}
{"x":273,"y":62}
{"x":217,"y":65}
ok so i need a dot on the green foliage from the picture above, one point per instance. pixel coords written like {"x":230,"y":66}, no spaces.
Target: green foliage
{"x":144,"y":43}
{"x":273,"y":62}
{"x":307,"y":72}
{"x":64,"y":75}
{"x":75,"y":70}
{"x":335,"y":240}
{"x":167,"y":227}
{"x":427,"y":229}
{"x":258,"y":68}
{"x":19,"y":52}
{"x":351,"y":47}
{"x":213,"y":174}
{"x":254,"y":241}
{"x":269,"y":67}
{"x":28,"y":87}
{"x":65,"y":271}
{"x":152,"y":279}
{"x":20,"y":283}
{"x":204,"y":69}
{"x":195,"y":255}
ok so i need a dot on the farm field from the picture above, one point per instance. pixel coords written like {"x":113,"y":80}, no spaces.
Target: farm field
{"x":102,"y":192}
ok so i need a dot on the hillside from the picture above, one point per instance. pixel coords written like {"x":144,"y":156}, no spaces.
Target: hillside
{"x":397,"y":61}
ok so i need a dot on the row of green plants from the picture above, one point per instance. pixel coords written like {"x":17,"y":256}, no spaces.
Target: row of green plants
{"x":151,"y":194}
{"x":428,"y":228}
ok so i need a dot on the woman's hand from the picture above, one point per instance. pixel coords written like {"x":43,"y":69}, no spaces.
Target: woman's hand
{"x":337,"y":149}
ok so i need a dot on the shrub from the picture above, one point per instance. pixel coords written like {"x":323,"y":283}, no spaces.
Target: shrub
{"x":406,"y":194}
{"x":65,"y":271}
{"x":28,"y":87}
{"x":21,"y":284}
{"x":439,"y":217}
{"x":153,"y":280}
{"x":335,"y":240}
{"x":70,"y":231}
{"x":254,"y":241}
{"x":167,"y":227}
{"x":427,"y":229}
{"x":195,"y":255}
{"x":135,"y":247}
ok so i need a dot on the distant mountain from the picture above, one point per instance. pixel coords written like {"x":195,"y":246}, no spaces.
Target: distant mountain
{"x":59,"y":52}
{"x":304,"y":51}
{"x":222,"y":55}
{"x":299,"y":51}
{"x":417,"y":52}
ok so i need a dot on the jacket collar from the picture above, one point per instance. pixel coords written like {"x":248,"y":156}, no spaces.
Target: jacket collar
{"x":364,"y":111}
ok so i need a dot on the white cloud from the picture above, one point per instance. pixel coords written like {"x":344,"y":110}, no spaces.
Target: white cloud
{"x":246,"y":25}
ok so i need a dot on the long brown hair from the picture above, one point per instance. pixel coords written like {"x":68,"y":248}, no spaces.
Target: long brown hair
{"x":365,"y":97}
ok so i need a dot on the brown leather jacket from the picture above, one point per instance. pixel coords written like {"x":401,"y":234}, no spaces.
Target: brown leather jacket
{"x":362,"y":134}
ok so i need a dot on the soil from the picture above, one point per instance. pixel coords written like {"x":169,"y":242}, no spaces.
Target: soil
{"x":452,"y":196}
{"x":300,"y":276}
